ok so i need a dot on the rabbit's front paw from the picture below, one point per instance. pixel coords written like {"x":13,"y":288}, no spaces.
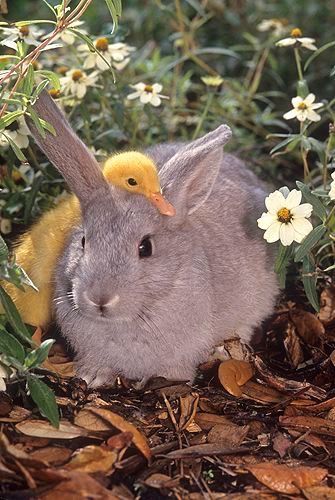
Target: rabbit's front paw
{"x":97,"y":378}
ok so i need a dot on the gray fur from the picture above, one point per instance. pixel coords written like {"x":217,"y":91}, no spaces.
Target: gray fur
{"x":209,"y":277}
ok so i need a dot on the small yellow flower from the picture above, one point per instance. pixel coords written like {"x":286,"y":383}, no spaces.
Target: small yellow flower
{"x":212,"y":81}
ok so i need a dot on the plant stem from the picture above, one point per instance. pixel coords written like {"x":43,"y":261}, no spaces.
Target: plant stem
{"x":304,"y":154}
{"x":298,"y":63}
{"x":204,"y":115}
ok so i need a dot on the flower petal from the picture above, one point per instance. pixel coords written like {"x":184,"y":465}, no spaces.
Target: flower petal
{"x":286,"y":234}
{"x":314,"y":117}
{"x":266,"y":220}
{"x":296,"y":101}
{"x":133,"y":95}
{"x":155,"y":100}
{"x":285,"y":42}
{"x":157,"y":87}
{"x":304,"y":210}
{"x":290,"y":114}
{"x":316,"y":105}
{"x":274,"y":202}
{"x":293,"y":199}
{"x":146,"y":97}
{"x":309,"y":99}
{"x":272,"y":233}
{"x":302,"y":226}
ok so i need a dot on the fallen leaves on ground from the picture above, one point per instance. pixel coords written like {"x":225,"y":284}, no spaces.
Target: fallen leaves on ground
{"x":233,"y":374}
{"x":250,"y":428}
{"x":289,"y":480}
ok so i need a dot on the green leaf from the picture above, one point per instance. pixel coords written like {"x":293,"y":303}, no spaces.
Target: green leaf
{"x":302,"y":88}
{"x":37,"y":121}
{"x":28,"y":81}
{"x":288,"y":140}
{"x":309,"y":282}
{"x":15,"y":148}
{"x":31,"y":197}
{"x":51,"y":76}
{"x":38,"y":356}
{"x":317,"y":53}
{"x":10,"y":346}
{"x":41,"y":86}
{"x":115,"y":9}
{"x":318,"y":207}
{"x":14,"y":317}
{"x":3,"y":250}
{"x":9,"y":118}
{"x":282,"y":261}
{"x":309,"y":242}
{"x":44,"y":398}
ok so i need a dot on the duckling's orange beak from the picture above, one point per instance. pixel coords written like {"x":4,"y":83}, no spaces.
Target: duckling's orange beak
{"x":163,"y":206}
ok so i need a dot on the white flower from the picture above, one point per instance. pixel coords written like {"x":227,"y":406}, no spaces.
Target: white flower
{"x":18,"y":132}
{"x":297,"y":40}
{"x":75,"y":82}
{"x":332,"y":187}
{"x":275,"y":25}
{"x":116,"y":55}
{"x":5,"y":228}
{"x":147,"y":93}
{"x":67,"y":36}
{"x":303,"y":109}
{"x":286,"y":218}
{"x":3,"y":377}
{"x":27,"y":34}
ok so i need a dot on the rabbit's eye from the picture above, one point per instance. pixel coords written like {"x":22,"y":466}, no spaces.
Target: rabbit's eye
{"x":83,"y":242}
{"x":145,"y":248}
{"x":132,"y":182}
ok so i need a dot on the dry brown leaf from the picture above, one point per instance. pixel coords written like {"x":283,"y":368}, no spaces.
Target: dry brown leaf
{"x":62,"y":369}
{"x":201,"y":450}
{"x":120,"y":441}
{"x":10,"y":451}
{"x":159,"y":481}
{"x":233,"y":374}
{"x":93,"y":459}
{"x":262,"y":393}
{"x":188,"y":408}
{"x":313,"y":424}
{"x":102,"y":419}
{"x":308,"y":326}
{"x":293,"y":347}
{"x":41,"y":428}
{"x":327,"y":305}
{"x":53,"y":455}
{"x":208,"y":420}
{"x":288,"y":480}
{"x":281,"y":444}
{"x":319,"y":493}
{"x":78,"y":486}
{"x":229,"y":435}
{"x":16,"y":415}
{"x":37,"y":336}
{"x":319,"y":407}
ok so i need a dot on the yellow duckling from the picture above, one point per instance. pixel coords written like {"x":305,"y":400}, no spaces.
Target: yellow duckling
{"x":38,"y":250}
{"x":137,"y":173}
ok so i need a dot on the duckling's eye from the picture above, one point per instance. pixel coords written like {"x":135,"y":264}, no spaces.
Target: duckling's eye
{"x":83,"y":242}
{"x":145,"y":248}
{"x":132,"y":182}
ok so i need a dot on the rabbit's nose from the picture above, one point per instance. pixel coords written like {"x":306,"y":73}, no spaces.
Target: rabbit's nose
{"x":102,"y":302}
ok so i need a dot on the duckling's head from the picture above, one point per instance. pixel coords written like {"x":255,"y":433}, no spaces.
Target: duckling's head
{"x":137,"y":173}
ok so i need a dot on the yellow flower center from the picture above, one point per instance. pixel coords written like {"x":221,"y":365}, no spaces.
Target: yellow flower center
{"x":102,"y":44}
{"x":54,"y":93}
{"x":77,"y":75}
{"x":302,"y":106}
{"x":284,"y":215}
{"x":24,"y":31}
{"x":62,"y":70}
{"x":148,"y":88}
{"x":296,"y":33}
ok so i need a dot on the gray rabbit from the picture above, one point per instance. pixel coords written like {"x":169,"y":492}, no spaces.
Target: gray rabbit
{"x":149,"y":295}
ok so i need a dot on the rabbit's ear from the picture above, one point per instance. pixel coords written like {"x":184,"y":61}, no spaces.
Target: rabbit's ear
{"x":66,"y":151}
{"x":188,"y":177}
